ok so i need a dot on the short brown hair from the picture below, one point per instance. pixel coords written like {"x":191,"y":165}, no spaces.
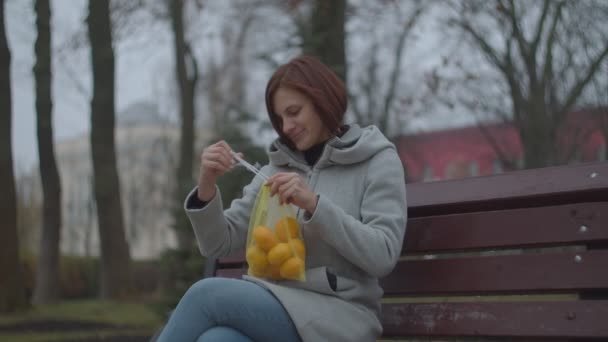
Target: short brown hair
{"x":316,"y":81}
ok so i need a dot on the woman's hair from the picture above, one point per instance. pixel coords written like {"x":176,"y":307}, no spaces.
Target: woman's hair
{"x":316,"y":81}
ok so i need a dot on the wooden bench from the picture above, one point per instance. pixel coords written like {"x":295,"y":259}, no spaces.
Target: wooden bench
{"x":518,"y":256}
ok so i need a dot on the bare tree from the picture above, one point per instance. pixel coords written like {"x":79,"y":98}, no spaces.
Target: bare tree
{"x":29,"y":211}
{"x":47,"y":274}
{"x":376,"y":93}
{"x":224,"y":80}
{"x":186,"y":71}
{"x":599,"y":103}
{"x":12,"y":289}
{"x":536,"y":54}
{"x":115,"y":258}
{"x":323,"y":35}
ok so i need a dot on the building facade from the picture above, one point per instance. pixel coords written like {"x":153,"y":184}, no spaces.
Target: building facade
{"x":473,"y":151}
{"x":146,"y":148}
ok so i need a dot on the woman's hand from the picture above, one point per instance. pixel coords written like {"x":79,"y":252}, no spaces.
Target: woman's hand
{"x":215,"y":161}
{"x":291,"y":188}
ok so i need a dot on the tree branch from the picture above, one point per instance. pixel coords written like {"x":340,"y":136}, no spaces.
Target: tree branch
{"x":541,"y":24}
{"x":490,"y":52}
{"x":547,"y":75}
{"x":580,"y":85}
{"x":524,"y":48}
{"x":390,"y":95}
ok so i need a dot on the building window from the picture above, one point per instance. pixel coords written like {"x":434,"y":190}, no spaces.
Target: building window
{"x":577,"y":157}
{"x":473,"y":169}
{"x":457,"y":169}
{"x":427,"y":173}
{"x":497,"y":166}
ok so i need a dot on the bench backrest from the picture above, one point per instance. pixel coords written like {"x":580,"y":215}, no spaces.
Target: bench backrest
{"x":523,"y":255}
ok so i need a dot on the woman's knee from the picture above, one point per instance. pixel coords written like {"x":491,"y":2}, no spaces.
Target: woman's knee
{"x":224,"y":288}
{"x":205,"y":286}
{"x":223,"y":333}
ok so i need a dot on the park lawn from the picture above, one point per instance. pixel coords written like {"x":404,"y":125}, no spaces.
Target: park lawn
{"x":118,"y":318}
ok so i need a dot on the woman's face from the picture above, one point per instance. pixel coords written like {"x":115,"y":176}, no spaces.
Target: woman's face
{"x":301,"y":123}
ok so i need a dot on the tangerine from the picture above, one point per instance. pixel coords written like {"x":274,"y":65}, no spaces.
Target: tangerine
{"x":256,"y":258}
{"x":298,"y":248}
{"x":264,"y":238}
{"x":292,"y":268}
{"x":279,"y":253}
{"x":274,"y":272}
{"x":287,"y":228}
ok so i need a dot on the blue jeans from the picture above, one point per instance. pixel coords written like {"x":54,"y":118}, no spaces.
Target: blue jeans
{"x":222,"y":309}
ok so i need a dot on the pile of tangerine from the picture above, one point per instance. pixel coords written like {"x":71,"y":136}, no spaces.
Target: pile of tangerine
{"x":279,"y":254}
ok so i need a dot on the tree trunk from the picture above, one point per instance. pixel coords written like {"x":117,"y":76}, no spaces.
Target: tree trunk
{"x":325,"y":36}
{"x":12,"y":289}
{"x":115,"y":259}
{"x":187,"y":76}
{"x":538,"y":133}
{"x":47,"y":275}
{"x":540,"y":150}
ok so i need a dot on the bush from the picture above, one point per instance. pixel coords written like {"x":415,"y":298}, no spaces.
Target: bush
{"x":179,"y":270}
{"x":79,"y":277}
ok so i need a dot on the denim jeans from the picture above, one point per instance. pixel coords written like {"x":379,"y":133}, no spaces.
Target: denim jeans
{"x":222,"y":309}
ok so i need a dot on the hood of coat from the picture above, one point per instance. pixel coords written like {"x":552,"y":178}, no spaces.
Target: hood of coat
{"x":355,"y":146}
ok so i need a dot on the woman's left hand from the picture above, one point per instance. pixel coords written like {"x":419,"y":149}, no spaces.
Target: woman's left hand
{"x":291,"y":188}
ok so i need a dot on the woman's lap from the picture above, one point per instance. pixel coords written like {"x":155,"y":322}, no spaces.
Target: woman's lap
{"x":220,"y":302}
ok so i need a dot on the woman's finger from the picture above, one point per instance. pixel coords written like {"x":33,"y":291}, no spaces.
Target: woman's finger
{"x":224,"y":146}
{"x":274,"y":186}
{"x":289,"y":189}
{"x":213,"y":165}
{"x":221,"y":157}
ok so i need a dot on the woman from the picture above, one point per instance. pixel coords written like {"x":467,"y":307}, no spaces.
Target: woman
{"x":349,"y":185}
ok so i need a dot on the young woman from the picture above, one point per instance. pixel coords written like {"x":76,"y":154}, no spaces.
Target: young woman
{"x":349,"y":184}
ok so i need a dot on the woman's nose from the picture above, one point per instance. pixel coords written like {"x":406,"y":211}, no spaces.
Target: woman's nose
{"x":288,"y":125}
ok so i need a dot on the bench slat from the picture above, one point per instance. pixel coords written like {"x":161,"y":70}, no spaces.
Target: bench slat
{"x":233,"y":260}
{"x":548,"y":272}
{"x":576,"y":319}
{"x":230,"y":273}
{"x":547,"y":226}
{"x":526,"y":188}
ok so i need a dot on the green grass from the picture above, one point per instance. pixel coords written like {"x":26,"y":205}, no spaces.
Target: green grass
{"x":140,"y":318}
{"x":70,"y":336}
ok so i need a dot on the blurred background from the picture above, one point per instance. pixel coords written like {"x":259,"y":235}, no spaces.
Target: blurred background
{"x":107,"y":105}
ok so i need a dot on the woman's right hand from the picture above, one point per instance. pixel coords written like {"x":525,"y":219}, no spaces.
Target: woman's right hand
{"x":216,"y":160}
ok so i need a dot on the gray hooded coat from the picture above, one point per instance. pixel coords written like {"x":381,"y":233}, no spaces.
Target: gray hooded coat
{"x":355,"y":233}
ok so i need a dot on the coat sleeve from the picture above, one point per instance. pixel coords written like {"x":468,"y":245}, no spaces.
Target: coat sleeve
{"x":220,"y":232}
{"x":374,"y":242}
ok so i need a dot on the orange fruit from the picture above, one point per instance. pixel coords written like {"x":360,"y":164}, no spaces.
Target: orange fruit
{"x":257,"y":273}
{"x":274,"y":272}
{"x":256,"y":258}
{"x":279,"y":253}
{"x":264,"y":238}
{"x":298,"y":248}
{"x":287,"y":228}
{"x":292,"y":268}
